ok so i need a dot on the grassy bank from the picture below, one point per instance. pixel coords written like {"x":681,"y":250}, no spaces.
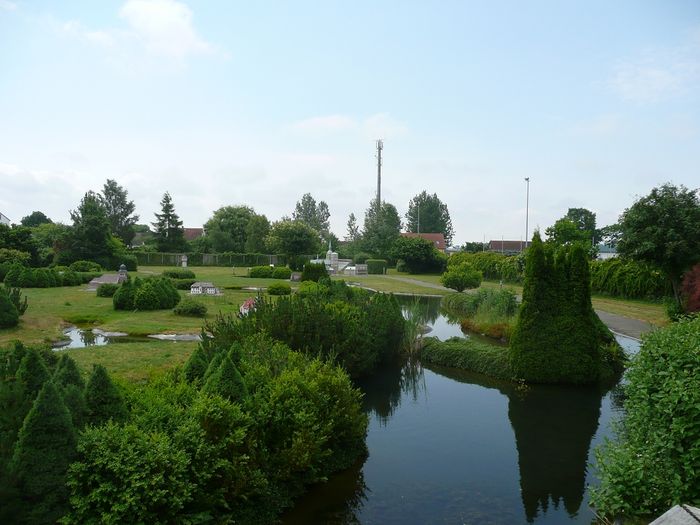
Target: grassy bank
{"x":468,"y":354}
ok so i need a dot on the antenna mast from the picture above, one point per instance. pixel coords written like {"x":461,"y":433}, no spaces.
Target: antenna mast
{"x":380,"y":147}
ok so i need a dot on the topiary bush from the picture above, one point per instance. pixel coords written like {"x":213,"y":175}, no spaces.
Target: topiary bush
{"x":183,"y":284}
{"x":123,"y":298}
{"x":9,"y":316}
{"x":314,"y":272}
{"x":279,"y":289}
{"x":264,"y":272}
{"x":281,"y":272}
{"x":107,"y":289}
{"x":179,"y":273}
{"x":376,"y":266}
{"x":190,"y":308}
{"x":146,"y":298}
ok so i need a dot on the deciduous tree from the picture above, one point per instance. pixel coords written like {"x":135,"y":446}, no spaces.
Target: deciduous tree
{"x":292,"y":238}
{"x":227,"y":228}
{"x":428,"y":214}
{"x":381,"y":228}
{"x":316,"y":215}
{"x":35,"y":219}
{"x":119,"y":210}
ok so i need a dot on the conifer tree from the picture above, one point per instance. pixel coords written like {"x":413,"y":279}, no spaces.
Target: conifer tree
{"x":196,"y":365}
{"x":45,"y":447}
{"x":9,"y":316}
{"x":214,"y":365}
{"x":32,"y":374}
{"x":103,"y":399}
{"x":169,"y":232}
{"x":227,"y":382}
{"x":71,"y":386}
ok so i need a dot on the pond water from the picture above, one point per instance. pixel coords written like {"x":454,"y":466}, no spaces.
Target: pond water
{"x":448,"y":446}
{"x":81,"y":338}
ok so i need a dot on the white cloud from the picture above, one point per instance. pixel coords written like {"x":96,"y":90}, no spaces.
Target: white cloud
{"x":659,"y":73}
{"x":6,"y":5}
{"x":165,"y":27}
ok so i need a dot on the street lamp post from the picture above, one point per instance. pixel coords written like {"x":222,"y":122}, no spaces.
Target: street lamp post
{"x":527,"y":209}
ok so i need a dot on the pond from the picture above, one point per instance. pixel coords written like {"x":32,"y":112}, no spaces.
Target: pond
{"x":447,"y":446}
{"x":75,"y":337}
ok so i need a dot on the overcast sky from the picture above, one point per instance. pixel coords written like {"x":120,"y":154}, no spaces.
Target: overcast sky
{"x":256,"y":103}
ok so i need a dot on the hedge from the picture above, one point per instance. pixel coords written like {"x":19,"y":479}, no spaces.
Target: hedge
{"x":208,"y":259}
{"x":24,"y":277}
{"x":628,"y":279}
{"x":376,"y":266}
{"x":179,"y":273}
{"x":190,"y":308}
{"x":107,"y":289}
{"x":279,"y":289}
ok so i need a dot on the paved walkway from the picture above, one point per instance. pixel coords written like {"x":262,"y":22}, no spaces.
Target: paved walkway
{"x":416,"y":282}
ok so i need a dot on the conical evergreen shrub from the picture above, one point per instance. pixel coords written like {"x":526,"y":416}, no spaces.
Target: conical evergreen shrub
{"x":67,"y":373}
{"x":214,"y":365}
{"x":227,"y":382}
{"x":196,"y":365}
{"x":32,"y":374}
{"x":9,"y":316}
{"x":123,"y":298}
{"x":102,"y":398}
{"x":45,"y":448}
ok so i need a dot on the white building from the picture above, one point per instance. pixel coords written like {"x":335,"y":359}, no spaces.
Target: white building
{"x":203,"y":288}
{"x":4,"y":219}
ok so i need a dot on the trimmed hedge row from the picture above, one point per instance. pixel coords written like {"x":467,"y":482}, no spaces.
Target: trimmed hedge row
{"x":376,"y":266}
{"x":179,"y":273}
{"x":268,"y":272}
{"x":24,"y":277}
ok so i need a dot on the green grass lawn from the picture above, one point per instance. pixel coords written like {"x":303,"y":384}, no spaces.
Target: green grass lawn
{"x":133,"y":362}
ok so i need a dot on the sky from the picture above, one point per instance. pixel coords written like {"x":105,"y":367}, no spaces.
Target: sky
{"x":256,"y":103}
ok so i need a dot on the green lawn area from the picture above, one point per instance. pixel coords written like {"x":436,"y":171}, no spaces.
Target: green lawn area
{"x":133,"y":362}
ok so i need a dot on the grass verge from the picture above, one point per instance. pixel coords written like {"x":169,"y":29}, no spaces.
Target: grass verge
{"x":468,"y":354}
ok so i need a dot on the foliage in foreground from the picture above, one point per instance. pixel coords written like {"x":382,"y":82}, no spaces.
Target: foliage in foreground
{"x":654,"y":462}
{"x":461,"y":277}
{"x":252,"y":425}
{"x":558,"y":338}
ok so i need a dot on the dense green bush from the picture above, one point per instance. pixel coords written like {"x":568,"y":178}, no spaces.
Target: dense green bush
{"x":9,"y":316}
{"x":418,"y":255}
{"x":107,"y":289}
{"x":493,"y":265}
{"x":280,"y":289}
{"x":468,"y":354}
{"x":25,"y":277}
{"x":85,"y":266}
{"x":314,"y":272}
{"x":264,"y":272}
{"x":629,"y":279}
{"x":296,"y":263}
{"x":558,"y":338}
{"x":190,"y":454}
{"x":179,"y":273}
{"x":183,"y":284}
{"x":654,"y":463}
{"x":361,"y":257}
{"x":490,"y":312}
{"x":376,"y":266}
{"x":15,"y":295}
{"x":12,"y":256}
{"x":461,"y":277}
{"x":157,"y":293}
{"x":281,"y":272}
{"x":190,"y":307}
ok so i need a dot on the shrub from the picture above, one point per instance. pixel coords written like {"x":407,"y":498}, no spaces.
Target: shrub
{"x":179,"y":273}
{"x":9,"y":316}
{"x":630,"y":279}
{"x":654,"y":462}
{"x":461,"y":277}
{"x":296,"y":264}
{"x":15,"y":295}
{"x":313,"y":272}
{"x":12,"y":256}
{"x":107,"y":289}
{"x":146,"y":298}
{"x":26,"y":278}
{"x":376,"y":266}
{"x":85,"y":266}
{"x":191,"y":308}
{"x":279,"y":289}
{"x":493,"y":265}
{"x":281,"y":272}
{"x":419,"y":255}
{"x":13,"y":274}
{"x":183,"y":284}
{"x":103,"y":399}
{"x":123,"y":298}
{"x":260,"y":272}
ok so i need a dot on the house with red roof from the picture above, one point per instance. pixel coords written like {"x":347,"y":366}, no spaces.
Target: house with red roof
{"x":438,"y":239}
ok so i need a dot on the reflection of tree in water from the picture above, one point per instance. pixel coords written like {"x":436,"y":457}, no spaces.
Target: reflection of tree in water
{"x":383,"y":390}
{"x":553,"y":427}
{"x":337,"y":501}
{"x":87,"y":337}
{"x":429,"y":307}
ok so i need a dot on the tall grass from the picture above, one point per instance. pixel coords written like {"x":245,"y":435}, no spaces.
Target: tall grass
{"x":413,"y":333}
{"x":468,"y":354}
{"x":491,"y":312}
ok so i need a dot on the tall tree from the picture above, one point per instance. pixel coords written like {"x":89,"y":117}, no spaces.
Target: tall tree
{"x":585,"y":221}
{"x":381,"y":228}
{"x":120,"y":211}
{"x":565,"y":231}
{"x":35,"y":219}
{"x":257,"y":230}
{"x":353,"y":229}
{"x":91,"y":229}
{"x":169,"y":232}
{"x":227,"y":228}
{"x":428,"y":214}
{"x":313,"y":214}
{"x":663,"y":229}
